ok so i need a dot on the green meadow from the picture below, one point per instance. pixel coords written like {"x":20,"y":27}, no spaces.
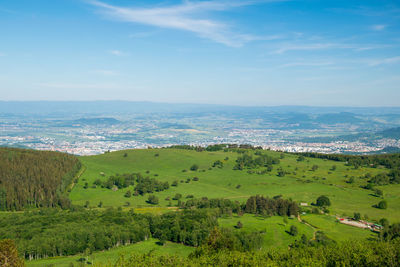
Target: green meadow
{"x":301,"y":184}
{"x":110,"y":256}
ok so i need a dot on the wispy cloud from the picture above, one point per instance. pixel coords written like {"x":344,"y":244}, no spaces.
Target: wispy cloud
{"x":188,"y":16}
{"x":77,"y":85}
{"x":324,"y":46}
{"x":390,"y":60}
{"x":116,"y":52}
{"x":2,"y":55}
{"x":105,"y":72}
{"x":306,"y":64}
{"x":378,"y":27}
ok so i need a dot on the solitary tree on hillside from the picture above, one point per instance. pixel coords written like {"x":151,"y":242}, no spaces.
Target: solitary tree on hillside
{"x":382,"y":205}
{"x":323,"y":201}
{"x":177,"y":196}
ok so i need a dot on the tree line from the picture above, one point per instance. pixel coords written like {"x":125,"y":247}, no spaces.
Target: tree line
{"x":52,"y":232}
{"x":248,"y":162}
{"x":143,"y":184}
{"x":259,"y":205}
{"x":30,"y":178}
{"x":390,"y":161}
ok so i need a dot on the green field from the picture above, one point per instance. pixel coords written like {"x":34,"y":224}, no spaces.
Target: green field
{"x":335,"y":230}
{"x":302,"y":184}
{"x":276,"y":230}
{"x":149,"y":246}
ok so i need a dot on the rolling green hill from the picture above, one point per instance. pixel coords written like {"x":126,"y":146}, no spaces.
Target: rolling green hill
{"x":299,"y":183}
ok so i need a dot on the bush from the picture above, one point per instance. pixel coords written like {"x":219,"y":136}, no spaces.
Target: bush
{"x":314,"y":168}
{"x":177,"y":196}
{"x":128,"y":193}
{"x":293,"y":230}
{"x":382,"y":205}
{"x":378,"y":192}
{"x":194,"y":167}
{"x":152,"y":199}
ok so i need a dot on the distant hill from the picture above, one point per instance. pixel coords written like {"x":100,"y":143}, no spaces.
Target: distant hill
{"x":96,"y":121}
{"x":118,"y":107}
{"x":333,"y":118}
{"x":391,"y":133}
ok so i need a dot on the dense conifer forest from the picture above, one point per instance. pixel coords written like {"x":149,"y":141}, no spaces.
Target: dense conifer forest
{"x":30,"y":178}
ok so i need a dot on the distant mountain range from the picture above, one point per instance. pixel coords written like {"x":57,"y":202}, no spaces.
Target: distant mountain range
{"x":392,"y":133}
{"x":123,"y":107}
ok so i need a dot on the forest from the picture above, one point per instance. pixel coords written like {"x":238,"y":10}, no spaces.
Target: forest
{"x":51,"y":232}
{"x":30,"y":178}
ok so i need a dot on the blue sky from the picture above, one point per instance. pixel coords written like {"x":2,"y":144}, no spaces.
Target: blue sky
{"x":323,"y":53}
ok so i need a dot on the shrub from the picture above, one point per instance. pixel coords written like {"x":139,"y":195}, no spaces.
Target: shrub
{"x":152,"y":199}
{"x":382,"y":205}
{"x":194,"y":167}
{"x":177,"y":196}
{"x":128,"y":193}
{"x":293,"y":230}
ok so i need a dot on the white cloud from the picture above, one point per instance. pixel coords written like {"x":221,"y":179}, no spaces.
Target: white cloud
{"x":2,"y":55}
{"x":306,"y":64}
{"x":188,"y":16}
{"x":116,"y":52}
{"x":324,"y":46}
{"x":105,"y":72}
{"x":391,"y":60}
{"x":77,"y":85}
{"x":378,"y":27}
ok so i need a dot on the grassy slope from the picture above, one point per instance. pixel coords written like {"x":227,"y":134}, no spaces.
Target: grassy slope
{"x":275,"y":229}
{"x":112,"y":255}
{"x":345,"y":198}
{"x":336,"y":230}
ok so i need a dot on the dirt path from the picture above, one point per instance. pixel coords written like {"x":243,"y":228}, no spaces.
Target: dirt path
{"x":309,"y":225}
{"x":81,"y":171}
